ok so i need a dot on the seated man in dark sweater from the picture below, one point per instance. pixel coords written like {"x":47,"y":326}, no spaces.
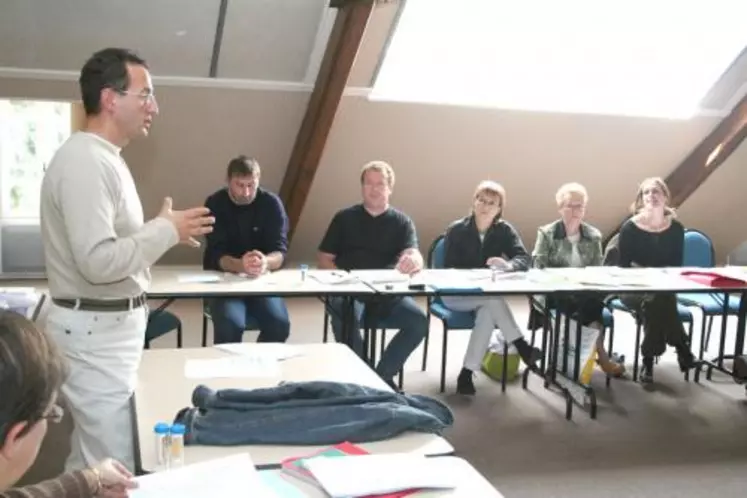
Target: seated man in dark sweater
{"x":250,"y":236}
{"x":373,"y":236}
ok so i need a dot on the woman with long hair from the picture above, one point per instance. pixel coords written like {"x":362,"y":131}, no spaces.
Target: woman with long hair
{"x":654,"y":238}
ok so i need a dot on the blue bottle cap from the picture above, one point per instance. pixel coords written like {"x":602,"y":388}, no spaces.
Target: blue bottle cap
{"x":161,"y":428}
{"x":178,"y":429}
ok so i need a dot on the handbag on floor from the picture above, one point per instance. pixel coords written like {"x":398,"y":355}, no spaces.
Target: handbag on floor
{"x":492,"y":363}
{"x":587,"y":347}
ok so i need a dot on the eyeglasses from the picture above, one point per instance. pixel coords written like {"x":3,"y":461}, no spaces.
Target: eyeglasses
{"x":487,"y":202}
{"x":54,"y":415}
{"x":145,"y":98}
{"x":574,"y":207}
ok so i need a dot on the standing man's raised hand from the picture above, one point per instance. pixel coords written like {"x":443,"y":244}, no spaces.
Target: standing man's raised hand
{"x":189,"y":223}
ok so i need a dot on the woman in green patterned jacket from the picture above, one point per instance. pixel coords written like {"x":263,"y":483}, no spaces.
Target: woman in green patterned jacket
{"x":571,"y":242}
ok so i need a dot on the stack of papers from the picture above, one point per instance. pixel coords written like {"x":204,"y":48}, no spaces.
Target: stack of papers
{"x":224,"y":477}
{"x":332,"y":277}
{"x":199,"y":278}
{"x":231,"y":367}
{"x":263,"y":351}
{"x":356,"y":476}
{"x":374,"y":277}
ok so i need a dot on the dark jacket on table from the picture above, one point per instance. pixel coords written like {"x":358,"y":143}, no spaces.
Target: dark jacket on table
{"x":463,"y":248}
{"x":308,"y":413}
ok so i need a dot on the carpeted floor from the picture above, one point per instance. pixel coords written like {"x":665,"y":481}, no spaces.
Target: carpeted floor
{"x":674,"y":439}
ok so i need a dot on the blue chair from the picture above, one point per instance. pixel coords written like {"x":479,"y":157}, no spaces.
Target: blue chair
{"x":699,"y":252}
{"x":451,"y":320}
{"x":161,"y":323}
{"x":251,"y":322}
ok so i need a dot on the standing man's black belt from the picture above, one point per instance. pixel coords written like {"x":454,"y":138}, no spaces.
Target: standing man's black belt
{"x":85,"y":304}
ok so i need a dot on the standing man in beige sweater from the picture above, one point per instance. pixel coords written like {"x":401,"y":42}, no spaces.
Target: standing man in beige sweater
{"x":98,"y":251}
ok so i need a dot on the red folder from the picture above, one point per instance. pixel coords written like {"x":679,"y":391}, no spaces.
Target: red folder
{"x":714,"y":279}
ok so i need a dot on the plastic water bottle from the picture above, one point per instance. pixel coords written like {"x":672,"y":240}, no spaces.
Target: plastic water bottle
{"x":304,"y":271}
{"x":176,"y":453}
{"x":494,"y":272}
{"x":161,"y":431}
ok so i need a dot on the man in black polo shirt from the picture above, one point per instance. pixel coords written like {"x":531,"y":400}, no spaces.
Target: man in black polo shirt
{"x":373,"y":235}
{"x":250,"y":237}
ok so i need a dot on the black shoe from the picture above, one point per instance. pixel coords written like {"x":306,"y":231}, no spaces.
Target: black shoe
{"x":740,"y":369}
{"x":647,"y":371}
{"x":685,"y":358}
{"x":465,"y":385}
{"x":529,"y":355}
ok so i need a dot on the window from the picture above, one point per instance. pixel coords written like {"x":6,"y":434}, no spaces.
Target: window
{"x":634,"y":57}
{"x":30,"y":133}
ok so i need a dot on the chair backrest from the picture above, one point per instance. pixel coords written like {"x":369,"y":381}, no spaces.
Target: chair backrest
{"x":698,"y":250}
{"x":436,"y":253}
{"x":738,"y":256}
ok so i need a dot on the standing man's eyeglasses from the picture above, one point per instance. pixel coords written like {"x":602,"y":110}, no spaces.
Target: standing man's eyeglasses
{"x":145,"y":97}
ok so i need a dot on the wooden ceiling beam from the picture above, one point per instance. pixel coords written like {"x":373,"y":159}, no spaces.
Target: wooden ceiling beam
{"x":705,"y":158}
{"x":339,"y":56}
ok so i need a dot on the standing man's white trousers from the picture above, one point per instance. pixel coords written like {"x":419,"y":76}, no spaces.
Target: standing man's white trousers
{"x":103,"y":350}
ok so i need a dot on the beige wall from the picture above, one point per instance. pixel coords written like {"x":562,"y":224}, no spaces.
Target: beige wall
{"x":439,"y":154}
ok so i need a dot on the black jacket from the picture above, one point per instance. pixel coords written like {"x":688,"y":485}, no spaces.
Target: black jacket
{"x":464,"y":250}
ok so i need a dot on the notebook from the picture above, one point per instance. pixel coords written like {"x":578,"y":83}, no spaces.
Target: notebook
{"x":296,"y":466}
{"x":376,"y":475}
{"x":714,"y":279}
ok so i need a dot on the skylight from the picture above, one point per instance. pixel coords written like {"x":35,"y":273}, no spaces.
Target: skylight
{"x":653,"y":58}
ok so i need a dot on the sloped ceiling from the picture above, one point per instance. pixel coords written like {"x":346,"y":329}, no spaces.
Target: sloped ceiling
{"x":262,"y":39}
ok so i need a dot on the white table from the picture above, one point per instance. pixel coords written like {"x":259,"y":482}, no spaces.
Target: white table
{"x":167,"y":284}
{"x":472,"y":484}
{"x":535,"y":281}
{"x":163,"y":390}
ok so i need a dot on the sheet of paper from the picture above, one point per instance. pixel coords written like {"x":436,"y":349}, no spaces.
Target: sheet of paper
{"x":332,"y":277}
{"x":229,"y":476}
{"x":381,"y":276}
{"x":455,"y":279}
{"x":199,"y":278}
{"x":377,"y":474}
{"x":231,"y":366}
{"x":269,"y":351}
{"x":280,"y":485}
{"x":609,"y":276}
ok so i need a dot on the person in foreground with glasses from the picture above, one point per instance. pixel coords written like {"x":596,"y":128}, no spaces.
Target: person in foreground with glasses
{"x":31,"y":373}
